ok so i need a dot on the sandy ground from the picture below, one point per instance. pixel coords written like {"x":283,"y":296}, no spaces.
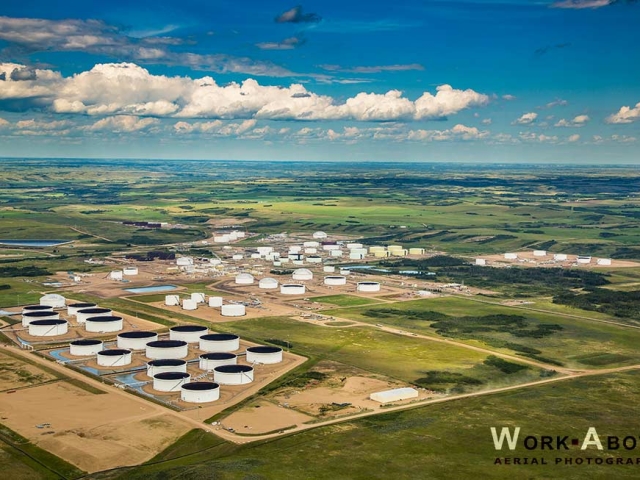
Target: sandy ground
{"x":94,"y":432}
{"x":526,"y":259}
{"x":17,"y":374}
{"x":264,"y":417}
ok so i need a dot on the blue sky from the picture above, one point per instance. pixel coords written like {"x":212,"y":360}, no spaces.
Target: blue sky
{"x":469,"y":81}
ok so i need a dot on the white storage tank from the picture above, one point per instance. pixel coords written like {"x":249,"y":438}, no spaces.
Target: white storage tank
{"x":104,"y":324}
{"x":200,"y":392}
{"x":29,"y":317}
{"x":215,"y":301}
{"x":311,"y":244}
{"x":375,"y":249}
{"x":539,"y":253}
{"x":233,"y":374}
{"x":345,"y":271}
{"x":329,"y":269}
{"x":170,"y":381}
{"x":82,"y":315}
{"x":368,"y":287}
{"x":336,"y":253}
{"x":211,"y":360}
{"x":53,"y":300}
{"x":244,"y":279}
{"x":292,"y":289}
{"x":604,"y":261}
{"x":172,"y":300}
{"x":319,"y":235}
{"x":187,"y":333}
{"x":560,"y":257}
{"x":381,"y":254}
{"x":36,"y":308}
{"x":85,"y":347}
{"x":356,"y":256}
{"x":48,"y":328}
{"x":355,"y":246}
{"x":115,"y":275}
{"x":335,"y":280}
{"x":221,"y":238}
{"x":161,"y":349}
{"x":130,"y":271}
{"x":237,"y":256}
{"x":219,"y":342}
{"x":136,"y":340}
{"x":189,"y":304}
{"x":116,"y":357}
{"x":233,"y":310}
{"x":481,"y":261}
{"x":264,"y":354}
{"x":399,"y":253}
{"x":264,"y":250}
{"x":295,"y":249}
{"x":198,"y":297}
{"x":255,"y":256}
{"x":184,"y":261}
{"x":416,"y":251}
{"x":361,"y":251}
{"x":510,"y":256}
{"x":166,"y":365}
{"x":310,"y":251}
{"x":583,"y":259}
{"x":302,"y":274}
{"x":268,"y":283}
{"x":330,"y":246}
{"x":72,"y":309}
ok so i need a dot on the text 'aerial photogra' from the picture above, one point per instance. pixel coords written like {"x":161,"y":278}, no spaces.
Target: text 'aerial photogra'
{"x":264,"y":240}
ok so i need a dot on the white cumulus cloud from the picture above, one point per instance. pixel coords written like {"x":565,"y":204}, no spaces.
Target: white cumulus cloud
{"x":625,"y":115}
{"x":526,"y":119}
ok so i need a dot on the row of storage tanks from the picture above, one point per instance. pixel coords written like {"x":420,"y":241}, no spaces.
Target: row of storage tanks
{"x":192,"y":303}
{"x":43,"y":321}
{"x":167,"y":366}
{"x":558,"y":257}
{"x":125,"y":272}
{"x":303,"y":274}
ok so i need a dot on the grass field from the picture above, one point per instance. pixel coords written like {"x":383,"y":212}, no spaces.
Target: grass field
{"x":577,"y":337}
{"x":344,"y":300}
{"x":448,"y":441}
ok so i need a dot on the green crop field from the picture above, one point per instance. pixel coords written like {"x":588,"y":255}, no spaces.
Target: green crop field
{"x":344,"y":300}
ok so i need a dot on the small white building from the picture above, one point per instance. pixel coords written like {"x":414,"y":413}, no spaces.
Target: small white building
{"x":394,"y":395}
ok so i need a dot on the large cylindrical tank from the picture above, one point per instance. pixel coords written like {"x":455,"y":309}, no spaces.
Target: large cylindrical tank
{"x":310,"y":251}
{"x":189,"y":304}
{"x":29,"y":317}
{"x":336,"y":253}
{"x":172,"y":300}
{"x":209,"y":361}
{"x":292,"y":289}
{"x":244,"y":279}
{"x":116,"y":357}
{"x":48,"y":328}
{"x":200,"y":392}
{"x":215,"y":301}
{"x":184,"y":261}
{"x":85,"y":347}
{"x":187,"y":333}
{"x":368,"y":287}
{"x":335,"y":280}
{"x":375,"y":249}
{"x":219,"y":342}
{"x":106,"y":324}
{"x":416,"y":251}
{"x":73,"y":308}
{"x":264,"y":354}
{"x":268,"y":283}
{"x":136,"y":340}
{"x":264,"y":250}
{"x":319,"y":235}
{"x":36,"y":308}
{"x":355,"y":246}
{"x":233,"y":310}
{"x":539,"y":253}
{"x":166,"y":365}
{"x":329,"y":269}
{"x":233,"y":374}
{"x":166,"y":349}
{"x":311,"y":244}
{"x":302,"y":274}
{"x":83,"y":314}
{"x":510,"y":256}
{"x":560,"y":257}
{"x":115,"y":275}
{"x":198,"y":297}
{"x":314,"y":259}
{"x":53,"y":300}
{"x":130,"y":271}
{"x":170,"y":381}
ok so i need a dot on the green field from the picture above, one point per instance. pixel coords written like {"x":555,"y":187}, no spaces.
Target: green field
{"x":344,"y":300}
{"x":577,"y":337}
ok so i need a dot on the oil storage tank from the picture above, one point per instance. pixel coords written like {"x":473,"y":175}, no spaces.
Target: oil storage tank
{"x":209,"y":361}
{"x":335,"y":280}
{"x":166,"y":365}
{"x":85,"y":347}
{"x":268,"y":283}
{"x":215,"y":302}
{"x":72,"y":308}
{"x":36,"y":308}
{"x":29,"y":317}
{"x":233,"y":310}
{"x":116,"y":357}
{"x":368,"y":287}
{"x":264,"y":354}
{"x":48,"y":328}
{"x":104,"y":324}
{"x":302,"y":274}
{"x":189,"y":304}
{"x":219,"y":342}
{"x":200,"y":392}
{"x":292,"y":289}
{"x":170,"y":381}
{"x":82,"y":315}
{"x":233,"y":374}
{"x":136,"y":340}
{"x":172,"y":300}
{"x":188,"y":333}
{"x":244,"y":279}
{"x":166,"y":349}
{"x":53,"y":300}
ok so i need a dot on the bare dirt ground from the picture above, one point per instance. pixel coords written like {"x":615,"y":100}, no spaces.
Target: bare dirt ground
{"x":263,"y":417}
{"x":15,"y":373}
{"x":93,"y":432}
